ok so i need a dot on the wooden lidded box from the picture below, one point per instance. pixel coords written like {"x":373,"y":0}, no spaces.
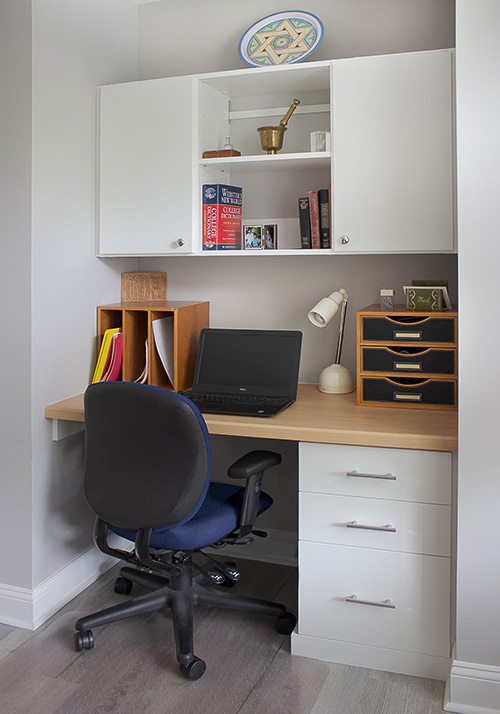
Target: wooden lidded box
{"x":406,"y":359}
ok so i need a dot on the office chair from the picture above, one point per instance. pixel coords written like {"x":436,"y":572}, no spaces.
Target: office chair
{"x":147,"y":479}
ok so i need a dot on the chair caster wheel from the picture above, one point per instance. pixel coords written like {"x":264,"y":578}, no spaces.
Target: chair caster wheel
{"x":123,"y":586}
{"x":84,"y":640}
{"x":194,"y":669}
{"x":285,"y":623}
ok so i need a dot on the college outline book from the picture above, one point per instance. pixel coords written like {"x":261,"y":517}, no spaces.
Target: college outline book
{"x":222,"y":215}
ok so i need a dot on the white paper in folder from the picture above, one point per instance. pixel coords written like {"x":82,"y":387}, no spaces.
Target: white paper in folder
{"x":163,"y":331}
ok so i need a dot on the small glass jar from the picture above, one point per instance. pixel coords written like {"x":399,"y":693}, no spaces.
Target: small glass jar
{"x":387,"y":300}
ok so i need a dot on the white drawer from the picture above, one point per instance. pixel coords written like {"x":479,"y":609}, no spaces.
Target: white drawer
{"x":411,"y":595}
{"x":375,"y":523}
{"x":397,"y":474}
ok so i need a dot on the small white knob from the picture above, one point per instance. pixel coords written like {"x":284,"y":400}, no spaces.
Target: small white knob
{"x":344,"y":240}
{"x":181,"y":242}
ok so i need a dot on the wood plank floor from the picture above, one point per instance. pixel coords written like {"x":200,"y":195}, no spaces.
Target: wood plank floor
{"x":132,"y":668}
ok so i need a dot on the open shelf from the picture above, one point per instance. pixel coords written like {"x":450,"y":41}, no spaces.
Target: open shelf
{"x":277,"y":162}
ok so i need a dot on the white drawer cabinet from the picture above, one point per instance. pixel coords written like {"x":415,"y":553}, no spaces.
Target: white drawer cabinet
{"x":374,"y":558}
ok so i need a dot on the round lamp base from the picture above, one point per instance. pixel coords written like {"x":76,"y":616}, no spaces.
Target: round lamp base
{"x":336,"y":379}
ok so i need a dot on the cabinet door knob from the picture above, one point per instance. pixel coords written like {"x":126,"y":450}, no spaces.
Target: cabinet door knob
{"x":181,"y":242}
{"x":344,"y":240}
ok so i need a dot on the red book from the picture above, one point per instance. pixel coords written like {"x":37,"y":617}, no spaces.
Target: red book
{"x":222,"y":212}
{"x":315,"y":219}
{"x":114,"y":371}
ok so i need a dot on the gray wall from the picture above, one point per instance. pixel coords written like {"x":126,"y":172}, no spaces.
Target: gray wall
{"x":478,"y":106}
{"x":203,"y":35}
{"x":15,"y":286}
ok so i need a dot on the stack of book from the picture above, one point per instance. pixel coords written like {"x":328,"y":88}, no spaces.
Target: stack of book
{"x":315,"y":219}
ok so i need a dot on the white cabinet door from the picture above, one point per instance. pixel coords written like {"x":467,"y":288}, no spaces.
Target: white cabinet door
{"x":146,"y":193}
{"x":393,"y":153}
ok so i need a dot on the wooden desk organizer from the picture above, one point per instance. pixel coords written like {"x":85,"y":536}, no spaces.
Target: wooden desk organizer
{"x":406,"y":359}
{"x":136,"y":321}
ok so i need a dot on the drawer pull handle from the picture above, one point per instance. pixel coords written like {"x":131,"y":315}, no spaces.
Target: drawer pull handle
{"x":383,"y":603}
{"x":389,"y":528}
{"x":411,"y":366}
{"x":401,"y":397}
{"x":407,"y":335}
{"x":386,"y":477}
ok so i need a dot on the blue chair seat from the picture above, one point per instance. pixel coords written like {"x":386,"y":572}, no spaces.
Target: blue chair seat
{"x":218,"y":515}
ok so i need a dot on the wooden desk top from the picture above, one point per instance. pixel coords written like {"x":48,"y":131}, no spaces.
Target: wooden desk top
{"x":324,"y":418}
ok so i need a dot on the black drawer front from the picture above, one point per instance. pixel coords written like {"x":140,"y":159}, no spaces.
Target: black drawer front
{"x":404,"y":360}
{"x":413,"y":329}
{"x":409,"y":391}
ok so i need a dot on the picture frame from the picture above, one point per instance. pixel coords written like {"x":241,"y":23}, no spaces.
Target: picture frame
{"x":270,"y":237}
{"x":252,"y":237}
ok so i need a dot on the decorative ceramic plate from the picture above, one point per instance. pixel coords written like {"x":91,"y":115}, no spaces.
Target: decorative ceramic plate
{"x":282,"y":38}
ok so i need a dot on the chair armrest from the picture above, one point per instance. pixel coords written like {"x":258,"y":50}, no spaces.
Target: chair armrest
{"x":253,"y":463}
{"x":251,"y":466}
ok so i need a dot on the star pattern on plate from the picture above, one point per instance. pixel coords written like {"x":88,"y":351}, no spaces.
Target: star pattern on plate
{"x":283,"y":41}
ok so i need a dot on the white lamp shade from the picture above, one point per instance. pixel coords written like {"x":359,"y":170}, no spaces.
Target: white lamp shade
{"x":322,"y":313}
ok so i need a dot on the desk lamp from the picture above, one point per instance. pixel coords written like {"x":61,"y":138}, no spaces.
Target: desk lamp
{"x":334,"y":379}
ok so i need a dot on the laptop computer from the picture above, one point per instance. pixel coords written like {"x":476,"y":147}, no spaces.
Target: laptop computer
{"x":247,"y":372}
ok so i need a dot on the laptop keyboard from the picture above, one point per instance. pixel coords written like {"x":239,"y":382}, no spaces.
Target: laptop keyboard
{"x":243,"y":400}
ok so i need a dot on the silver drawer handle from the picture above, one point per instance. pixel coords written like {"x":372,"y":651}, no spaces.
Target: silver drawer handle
{"x":383,"y":603}
{"x":387,"y":477}
{"x":389,"y":528}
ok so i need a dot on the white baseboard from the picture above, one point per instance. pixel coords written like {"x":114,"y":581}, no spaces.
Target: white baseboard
{"x":473,"y":689}
{"x":29,"y":609}
{"x":380,"y":658}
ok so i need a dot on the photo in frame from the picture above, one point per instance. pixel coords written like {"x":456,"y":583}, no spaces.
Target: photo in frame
{"x":270,"y":237}
{"x":252,"y":237}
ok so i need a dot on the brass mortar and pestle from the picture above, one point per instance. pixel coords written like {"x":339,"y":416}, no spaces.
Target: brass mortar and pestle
{"x":271,"y":137}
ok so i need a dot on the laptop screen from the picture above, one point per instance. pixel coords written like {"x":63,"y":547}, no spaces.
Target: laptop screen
{"x":258,"y":362}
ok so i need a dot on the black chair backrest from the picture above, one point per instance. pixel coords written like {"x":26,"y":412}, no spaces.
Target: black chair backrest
{"x":147,"y":455}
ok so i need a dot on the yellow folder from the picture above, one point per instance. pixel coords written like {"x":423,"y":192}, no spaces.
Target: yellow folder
{"x":104,"y":353}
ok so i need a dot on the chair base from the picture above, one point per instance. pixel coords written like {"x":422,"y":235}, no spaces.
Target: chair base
{"x":180,"y":592}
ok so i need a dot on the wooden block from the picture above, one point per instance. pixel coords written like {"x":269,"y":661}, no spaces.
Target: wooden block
{"x":144,"y":287}
{"x":221,"y":153}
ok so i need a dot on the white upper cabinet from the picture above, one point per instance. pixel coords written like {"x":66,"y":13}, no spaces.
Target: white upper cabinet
{"x":390,"y":168}
{"x":146,"y":167}
{"x":393,"y":158}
